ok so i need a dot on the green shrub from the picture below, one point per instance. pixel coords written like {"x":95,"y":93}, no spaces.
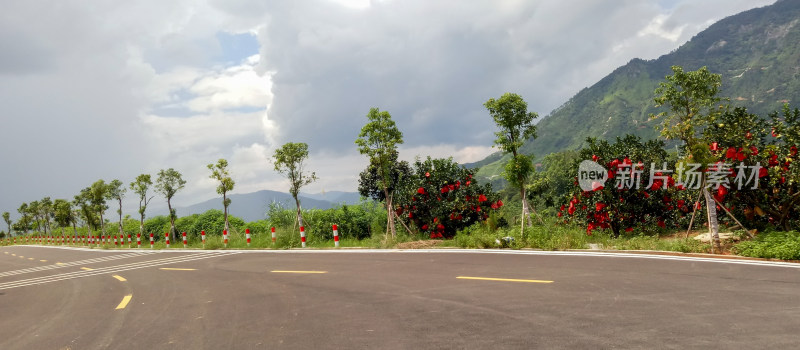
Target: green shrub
{"x":772,"y":245}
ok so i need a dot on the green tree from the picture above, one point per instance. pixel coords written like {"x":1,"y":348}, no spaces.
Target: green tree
{"x":34,"y":215}
{"x":98,"y":196}
{"x":370,"y":184}
{"x":83,"y":202}
{"x":24,"y":222}
{"x":378,"y":140}
{"x":116,"y":191}
{"x":45,"y":212}
{"x":288,"y":161}
{"x":140,"y":187}
{"x":7,"y":219}
{"x":510,"y":113}
{"x":169,"y":182}
{"x":220,"y":173}
{"x":692,"y":105}
{"x":63,"y":215}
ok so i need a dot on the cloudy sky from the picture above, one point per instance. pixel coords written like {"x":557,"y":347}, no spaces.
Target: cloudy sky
{"x":112,"y":89}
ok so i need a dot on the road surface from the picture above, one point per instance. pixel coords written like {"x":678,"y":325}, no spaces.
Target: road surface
{"x":69,"y":298}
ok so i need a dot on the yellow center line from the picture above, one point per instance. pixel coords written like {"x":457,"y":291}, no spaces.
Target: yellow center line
{"x":86,"y":268}
{"x":124,"y":302}
{"x":176,"y":269}
{"x":501,"y":279}
{"x":59,"y":263}
{"x":285,"y":271}
{"x":30,"y":258}
{"x":43,"y":260}
{"x":13,"y":254}
{"x":21,"y":257}
{"x":120,"y":278}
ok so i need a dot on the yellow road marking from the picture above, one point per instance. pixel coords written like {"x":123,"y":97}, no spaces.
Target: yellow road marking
{"x":284,"y":271}
{"x":86,"y":268}
{"x":43,"y":260}
{"x":30,"y":258}
{"x":5,"y":252}
{"x":124,"y":302}
{"x":13,"y":254}
{"x":176,"y":269}
{"x":21,"y":257}
{"x":59,"y":263}
{"x":120,"y":278}
{"x":501,"y":279}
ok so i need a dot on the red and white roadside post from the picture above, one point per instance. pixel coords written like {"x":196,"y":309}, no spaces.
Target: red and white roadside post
{"x":152,"y":242}
{"x":335,"y":236}
{"x":129,"y":240}
{"x":273,"y":235}
{"x":203,"y":237}
{"x":303,"y":236}
{"x":139,"y":240}
{"x":166,"y":236}
{"x":184,"y":239}
{"x":115,"y":241}
{"x":247,"y":235}
{"x":225,"y":237}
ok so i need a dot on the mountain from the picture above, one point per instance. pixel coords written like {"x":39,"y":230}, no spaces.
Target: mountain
{"x":253,"y":206}
{"x":757,"y":52}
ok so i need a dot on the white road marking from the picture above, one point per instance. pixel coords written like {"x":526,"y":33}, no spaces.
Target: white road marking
{"x":59,"y":265}
{"x":112,"y":269}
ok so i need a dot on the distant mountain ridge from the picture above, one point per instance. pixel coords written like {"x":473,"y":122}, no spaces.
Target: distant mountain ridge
{"x":757,"y":52}
{"x":253,"y":206}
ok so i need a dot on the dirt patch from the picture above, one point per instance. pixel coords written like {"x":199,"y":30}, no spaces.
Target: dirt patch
{"x":419,"y":244}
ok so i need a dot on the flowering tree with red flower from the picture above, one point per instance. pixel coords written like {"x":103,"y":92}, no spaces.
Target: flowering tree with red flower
{"x":768,"y":149}
{"x":440,"y":197}
{"x":637,"y":204}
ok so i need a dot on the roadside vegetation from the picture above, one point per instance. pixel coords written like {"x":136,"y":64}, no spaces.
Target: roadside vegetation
{"x":440,"y":203}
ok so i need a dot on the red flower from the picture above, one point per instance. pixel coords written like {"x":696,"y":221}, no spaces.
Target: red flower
{"x":421,"y":190}
{"x":481,"y":198}
{"x":500,"y":203}
{"x":468,"y":183}
{"x":681,"y":203}
{"x":440,"y":227}
{"x":571,"y":208}
{"x":740,"y":156}
{"x":731,"y":153}
{"x":425,"y":227}
{"x":715,"y":146}
{"x":629,"y":229}
{"x":445,"y":189}
{"x":560,"y":214}
{"x":722,"y":191}
{"x":754,"y":150}
{"x":646,"y":195}
{"x":410,"y":215}
{"x":661,"y":223}
{"x":793,"y":149}
{"x":599,"y":206}
{"x":494,"y":206}
{"x":427,"y":174}
{"x":748,"y":135}
{"x":762,"y":172}
{"x":595,"y":157}
{"x":697,"y":205}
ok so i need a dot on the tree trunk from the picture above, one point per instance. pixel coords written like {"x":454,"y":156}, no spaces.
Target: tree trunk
{"x":120,"y":217}
{"x":225,"y":205}
{"x":299,"y":212}
{"x":713,"y":225}
{"x":389,"y":211}
{"x":171,"y":221}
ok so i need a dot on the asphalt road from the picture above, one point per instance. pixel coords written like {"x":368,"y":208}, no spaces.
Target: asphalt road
{"x":62,"y":298}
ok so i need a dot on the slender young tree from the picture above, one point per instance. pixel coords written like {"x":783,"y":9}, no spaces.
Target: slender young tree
{"x":692,"y":103}
{"x":62,"y":210}
{"x":24,"y":221}
{"x":116,"y":190}
{"x":140,"y":187}
{"x":98,"y":196}
{"x":220,"y":173}
{"x":169,"y":182}
{"x":510,"y":113}
{"x":83,"y":202}
{"x":288,"y":161}
{"x":378,"y":140}
{"x":7,"y":219}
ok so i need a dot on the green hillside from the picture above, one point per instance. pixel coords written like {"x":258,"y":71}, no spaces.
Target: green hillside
{"x":757,"y":52}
